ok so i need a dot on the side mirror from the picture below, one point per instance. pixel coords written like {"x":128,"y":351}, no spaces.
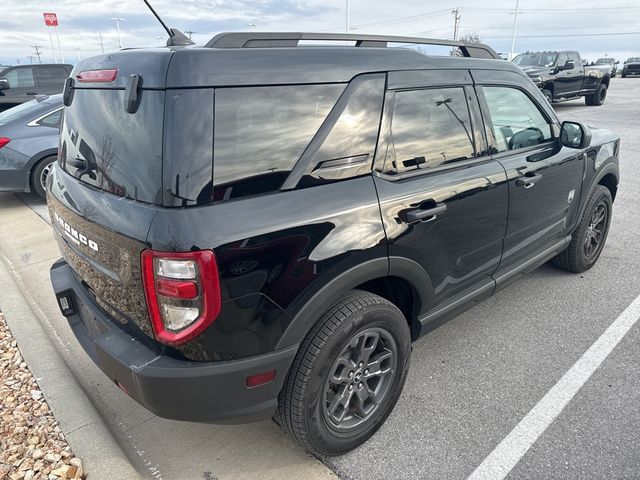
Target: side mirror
{"x":616,"y":62}
{"x":575,"y":135}
{"x":4,"y":84}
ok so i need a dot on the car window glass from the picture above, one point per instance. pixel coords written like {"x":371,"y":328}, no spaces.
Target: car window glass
{"x":51,"y":74}
{"x":20,"y":77}
{"x":51,"y":120}
{"x":429,"y":128}
{"x":516,"y":121}
{"x":562,"y":59}
{"x":574,"y":57}
{"x":261,"y":132}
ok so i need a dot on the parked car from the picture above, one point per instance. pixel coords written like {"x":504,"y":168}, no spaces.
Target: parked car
{"x":21,"y":83}
{"x":29,"y":136}
{"x":611,"y":62}
{"x":561,"y":75}
{"x":631,"y":67}
{"x":251,"y":231}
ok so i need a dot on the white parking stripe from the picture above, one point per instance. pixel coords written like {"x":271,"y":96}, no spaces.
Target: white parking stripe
{"x":514,"y":446}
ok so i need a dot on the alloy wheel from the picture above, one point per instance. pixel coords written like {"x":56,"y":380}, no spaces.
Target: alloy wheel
{"x":360,"y":379}
{"x":595,"y":231}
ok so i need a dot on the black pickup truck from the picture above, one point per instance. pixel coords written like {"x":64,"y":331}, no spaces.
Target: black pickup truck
{"x":562,"y":75}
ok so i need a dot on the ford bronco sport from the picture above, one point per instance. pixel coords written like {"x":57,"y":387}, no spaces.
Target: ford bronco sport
{"x":256,"y":228}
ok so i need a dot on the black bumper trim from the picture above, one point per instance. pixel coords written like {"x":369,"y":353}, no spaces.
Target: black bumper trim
{"x":213,"y":392}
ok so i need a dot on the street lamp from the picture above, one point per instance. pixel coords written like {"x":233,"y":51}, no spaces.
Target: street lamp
{"x":118,"y":20}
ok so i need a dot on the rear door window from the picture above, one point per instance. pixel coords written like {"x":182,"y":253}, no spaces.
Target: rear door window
{"x":52,"y":74}
{"x":429,"y":128}
{"x":261,"y":132}
{"x":20,"y":77}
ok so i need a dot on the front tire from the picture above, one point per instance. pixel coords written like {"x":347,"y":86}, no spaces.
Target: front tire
{"x":347,"y":375}
{"x":590,"y":235}
{"x":39,"y":175}
{"x":548,"y":95}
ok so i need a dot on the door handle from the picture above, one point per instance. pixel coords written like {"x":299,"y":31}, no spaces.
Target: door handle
{"x":528,"y":181}
{"x":425,"y":215}
{"x":78,"y":163}
{"x":32,"y":93}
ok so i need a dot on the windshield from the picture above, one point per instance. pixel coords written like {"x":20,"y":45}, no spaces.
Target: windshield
{"x":16,"y":112}
{"x":633,"y":60}
{"x":604,"y":60}
{"x":536,"y":59}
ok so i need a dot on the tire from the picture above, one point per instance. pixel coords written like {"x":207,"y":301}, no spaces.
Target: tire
{"x":309,"y":406}
{"x":624,"y":75}
{"x":548,"y":95}
{"x":580,"y":255}
{"x":39,"y":175}
{"x":597,"y":98}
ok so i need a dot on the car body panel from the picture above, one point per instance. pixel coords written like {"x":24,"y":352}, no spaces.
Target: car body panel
{"x":28,"y":145}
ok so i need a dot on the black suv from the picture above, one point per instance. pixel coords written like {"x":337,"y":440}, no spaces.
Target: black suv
{"x":255,"y":228}
{"x":21,"y":83}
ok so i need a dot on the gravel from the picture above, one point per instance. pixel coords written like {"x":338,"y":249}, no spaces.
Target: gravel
{"x":32,"y":446}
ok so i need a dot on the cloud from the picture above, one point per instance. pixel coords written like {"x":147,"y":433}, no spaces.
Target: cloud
{"x":81,"y":22}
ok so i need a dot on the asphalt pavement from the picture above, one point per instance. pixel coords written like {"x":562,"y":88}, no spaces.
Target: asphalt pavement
{"x":471,"y":382}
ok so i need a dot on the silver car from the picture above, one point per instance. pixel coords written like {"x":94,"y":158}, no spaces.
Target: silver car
{"x":29,"y":136}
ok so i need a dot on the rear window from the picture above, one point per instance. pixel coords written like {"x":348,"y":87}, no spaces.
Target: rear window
{"x":261,"y":132}
{"x":106,"y":147}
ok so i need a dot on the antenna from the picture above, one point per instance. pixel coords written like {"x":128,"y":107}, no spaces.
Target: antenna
{"x":176,"y":37}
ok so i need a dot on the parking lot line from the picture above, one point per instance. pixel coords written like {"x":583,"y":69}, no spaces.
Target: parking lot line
{"x":515,"y":445}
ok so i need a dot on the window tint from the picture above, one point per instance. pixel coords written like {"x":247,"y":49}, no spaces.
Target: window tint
{"x":20,"y":77}
{"x":261,"y":132}
{"x":51,"y":120}
{"x":562,"y":59}
{"x":516,"y":121}
{"x":51,"y":74}
{"x":429,"y":128}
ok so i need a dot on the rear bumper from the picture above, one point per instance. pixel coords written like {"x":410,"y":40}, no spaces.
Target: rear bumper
{"x":213,"y":392}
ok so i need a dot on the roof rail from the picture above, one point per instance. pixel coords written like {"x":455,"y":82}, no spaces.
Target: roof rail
{"x":291,"y":39}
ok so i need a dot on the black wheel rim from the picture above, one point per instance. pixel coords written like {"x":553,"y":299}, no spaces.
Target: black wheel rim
{"x":360,"y":379}
{"x":594,"y":238}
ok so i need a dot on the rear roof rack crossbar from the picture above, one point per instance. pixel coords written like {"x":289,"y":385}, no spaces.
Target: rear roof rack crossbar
{"x":292,"y":39}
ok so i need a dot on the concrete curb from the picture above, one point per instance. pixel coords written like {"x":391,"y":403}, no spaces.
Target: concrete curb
{"x":82,"y":425}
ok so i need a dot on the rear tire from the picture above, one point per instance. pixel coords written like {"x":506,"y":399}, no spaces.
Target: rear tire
{"x":590,"y":235}
{"x":39,"y":175}
{"x":597,"y":98}
{"x":624,"y":75}
{"x":347,"y":375}
{"x":548,"y":95}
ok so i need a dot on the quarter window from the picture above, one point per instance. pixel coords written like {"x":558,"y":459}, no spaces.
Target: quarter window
{"x":429,"y":128}
{"x":515,"y":120}
{"x":51,"y":120}
{"x":20,"y":77}
{"x":261,"y":132}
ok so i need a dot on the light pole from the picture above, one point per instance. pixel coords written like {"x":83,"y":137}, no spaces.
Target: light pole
{"x":118,"y":20}
{"x":347,"y":18}
{"x":513,"y":34}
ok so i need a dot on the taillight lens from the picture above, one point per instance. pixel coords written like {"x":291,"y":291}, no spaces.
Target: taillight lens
{"x":182,"y":292}
{"x":4,"y":141}
{"x":97,"y":76}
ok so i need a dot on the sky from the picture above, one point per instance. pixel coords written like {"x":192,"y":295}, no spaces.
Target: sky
{"x":594,"y":28}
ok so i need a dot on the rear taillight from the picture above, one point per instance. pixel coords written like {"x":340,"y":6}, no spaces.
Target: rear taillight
{"x":182,"y":292}
{"x":97,"y":76}
{"x":4,"y":141}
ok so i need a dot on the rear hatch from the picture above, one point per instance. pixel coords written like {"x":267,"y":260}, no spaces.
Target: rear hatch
{"x":109,"y":178}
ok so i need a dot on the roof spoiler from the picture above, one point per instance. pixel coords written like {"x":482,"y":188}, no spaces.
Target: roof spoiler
{"x":292,"y":39}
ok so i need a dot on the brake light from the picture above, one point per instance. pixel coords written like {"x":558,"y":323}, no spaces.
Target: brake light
{"x":182,"y":291}
{"x":4,"y":141}
{"x":97,"y":76}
